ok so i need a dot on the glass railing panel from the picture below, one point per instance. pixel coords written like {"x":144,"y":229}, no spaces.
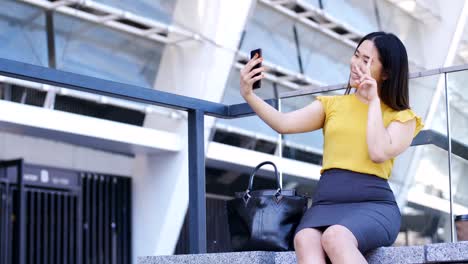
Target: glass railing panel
{"x":458,"y":100}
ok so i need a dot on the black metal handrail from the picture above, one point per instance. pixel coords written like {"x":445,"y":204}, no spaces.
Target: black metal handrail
{"x":196,"y":109}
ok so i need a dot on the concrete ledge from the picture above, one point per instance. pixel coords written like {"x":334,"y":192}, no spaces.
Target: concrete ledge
{"x":447,"y":252}
{"x":414,"y":254}
{"x":433,"y":253}
{"x":253,"y":257}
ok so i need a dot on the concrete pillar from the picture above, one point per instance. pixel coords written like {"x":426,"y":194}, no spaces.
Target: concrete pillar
{"x":192,"y":68}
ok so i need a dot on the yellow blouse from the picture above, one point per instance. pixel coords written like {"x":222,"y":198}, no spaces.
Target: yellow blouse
{"x":344,"y":132}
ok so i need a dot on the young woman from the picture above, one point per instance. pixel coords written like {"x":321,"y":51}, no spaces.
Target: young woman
{"x":353,"y":209}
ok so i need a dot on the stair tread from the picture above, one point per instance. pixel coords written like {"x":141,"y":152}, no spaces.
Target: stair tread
{"x":413,"y":254}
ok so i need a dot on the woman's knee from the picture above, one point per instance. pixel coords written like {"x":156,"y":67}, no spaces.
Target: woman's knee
{"x":335,"y":238}
{"x":307,"y":238}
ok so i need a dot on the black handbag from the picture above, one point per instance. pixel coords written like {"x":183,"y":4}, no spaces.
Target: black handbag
{"x":264,"y":219}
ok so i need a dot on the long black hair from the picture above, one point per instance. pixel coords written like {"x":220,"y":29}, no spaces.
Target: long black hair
{"x":394,"y":59}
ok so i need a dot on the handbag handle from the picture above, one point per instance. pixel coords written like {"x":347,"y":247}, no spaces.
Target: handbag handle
{"x":249,"y":189}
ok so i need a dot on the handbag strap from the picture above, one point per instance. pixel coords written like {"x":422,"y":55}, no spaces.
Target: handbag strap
{"x":252,"y":175}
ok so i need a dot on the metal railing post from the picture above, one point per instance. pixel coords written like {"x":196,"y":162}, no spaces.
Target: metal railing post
{"x":21,"y":217}
{"x":197,"y":202}
{"x":449,"y":143}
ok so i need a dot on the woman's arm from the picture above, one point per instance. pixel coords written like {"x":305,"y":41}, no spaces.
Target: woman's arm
{"x":386,"y":143}
{"x":305,"y":119}
{"x":382,"y":143}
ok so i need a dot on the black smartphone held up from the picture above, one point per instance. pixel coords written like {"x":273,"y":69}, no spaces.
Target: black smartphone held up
{"x":256,"y":84}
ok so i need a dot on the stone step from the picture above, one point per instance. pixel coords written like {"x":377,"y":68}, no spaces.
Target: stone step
{"x":432,"y":253}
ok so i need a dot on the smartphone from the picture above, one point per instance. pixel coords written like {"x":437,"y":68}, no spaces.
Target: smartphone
{"x":256,"y":84}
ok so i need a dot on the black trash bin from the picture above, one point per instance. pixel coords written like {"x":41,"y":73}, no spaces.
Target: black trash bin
{"x":461,"y":222}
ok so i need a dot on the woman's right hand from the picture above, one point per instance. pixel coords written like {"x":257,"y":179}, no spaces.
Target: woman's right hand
{"x":306,"y":119}
{"x":246,"y":76}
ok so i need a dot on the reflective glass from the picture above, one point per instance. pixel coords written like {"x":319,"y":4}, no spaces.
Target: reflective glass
{"x":271,"y":31}
{"x":428,"y":169}
{"x":403,"y":171}
{"x":359,"y":14}
{"x":315,"y":3}
{"x":159,"y":10}
{"x":22,"y":33}
{"x":98,"y":51}
{"x":406,"y":27}
{"x":429,"y":193}
{"x":324,"y":59}
{"x":459,"y":127}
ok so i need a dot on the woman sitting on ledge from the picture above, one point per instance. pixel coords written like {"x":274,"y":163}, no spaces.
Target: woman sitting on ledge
{"x":354,"y":209}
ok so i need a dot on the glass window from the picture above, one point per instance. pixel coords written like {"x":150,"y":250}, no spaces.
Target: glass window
{"x":88,"y":49}
{"x":359,"y":14}
{"x":159,"y":10}
{"x":271,"y":31}
{"x":324,"y":59}
{"x":315,"y":3}
{"x":22,"y":33}
{"x":407,"y":28}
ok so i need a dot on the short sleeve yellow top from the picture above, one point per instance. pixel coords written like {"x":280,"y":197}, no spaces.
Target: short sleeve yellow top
{"x":344,"y":132}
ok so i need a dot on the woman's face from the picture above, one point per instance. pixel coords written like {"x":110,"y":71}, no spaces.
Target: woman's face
{"x":361,"y":58}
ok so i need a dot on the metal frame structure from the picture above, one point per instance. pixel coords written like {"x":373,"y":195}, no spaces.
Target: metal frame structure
{"x":277,"y":74}
{"x":449,"y":136}
{"x":196,"y":109}
{"x":115,"y":18}
{"x":308,"y":14}
{"x":316,"y":18}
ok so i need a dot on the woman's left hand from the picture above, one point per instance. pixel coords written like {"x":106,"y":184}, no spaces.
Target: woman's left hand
{"x":367,"y":84}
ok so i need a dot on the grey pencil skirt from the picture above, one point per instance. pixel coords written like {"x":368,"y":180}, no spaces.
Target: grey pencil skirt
{"x":363,"y":203}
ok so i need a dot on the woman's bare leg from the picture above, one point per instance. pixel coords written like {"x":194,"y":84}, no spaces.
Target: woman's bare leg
{"x":341,"y":246}
{"x":308,"y":246}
